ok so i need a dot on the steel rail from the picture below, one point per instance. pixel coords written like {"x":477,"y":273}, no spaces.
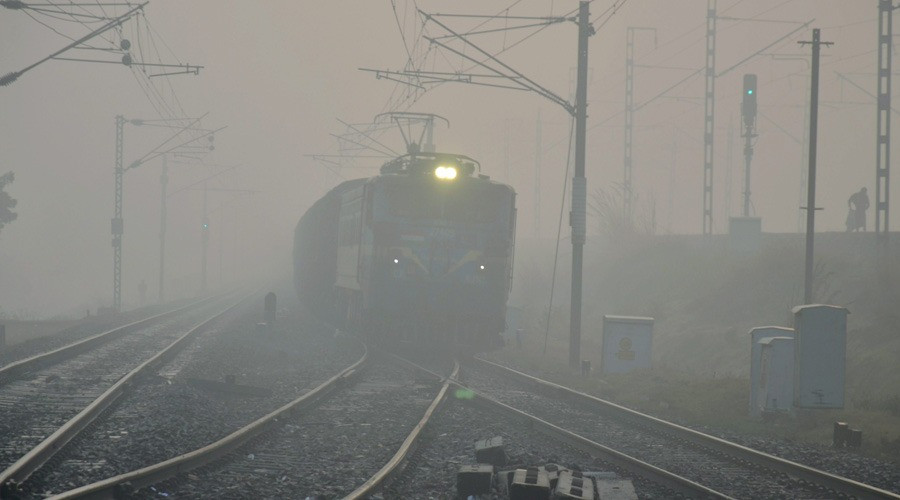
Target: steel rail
{"x":824,"y":479}
{"x":674,"y":482}
{"x":16,"y":369}
{"x":125,"y":484}
{"x":393,"y":465}
{"x":22,"y":468}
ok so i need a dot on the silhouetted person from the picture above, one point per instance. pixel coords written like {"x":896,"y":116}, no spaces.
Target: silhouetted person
{"x":858,"y":204}
{"x":142,"y":289}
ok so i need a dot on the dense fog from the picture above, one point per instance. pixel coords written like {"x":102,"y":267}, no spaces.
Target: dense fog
{"x":284,"y":77}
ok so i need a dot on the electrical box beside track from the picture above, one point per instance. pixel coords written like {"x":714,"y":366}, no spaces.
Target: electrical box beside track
{"x":820,"y":350}
{"x":627,"y":343}
{"x":776,"y":375}
{"x":756,"y":335}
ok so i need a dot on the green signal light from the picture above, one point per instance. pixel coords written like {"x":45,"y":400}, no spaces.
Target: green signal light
{"x":750,"y":92}
{"x":464,"y":394}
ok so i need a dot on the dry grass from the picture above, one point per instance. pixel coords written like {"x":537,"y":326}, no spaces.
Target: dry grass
{"x":705,"y":300}
{"x":21,"y":331}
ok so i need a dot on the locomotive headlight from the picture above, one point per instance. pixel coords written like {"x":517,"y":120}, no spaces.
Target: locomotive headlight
{"x":445,"y":173}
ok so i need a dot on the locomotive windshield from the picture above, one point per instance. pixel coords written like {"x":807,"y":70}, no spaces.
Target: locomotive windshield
{"x":458,"y":205}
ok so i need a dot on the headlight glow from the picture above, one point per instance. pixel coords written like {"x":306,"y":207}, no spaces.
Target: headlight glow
{"x":445,"y":173}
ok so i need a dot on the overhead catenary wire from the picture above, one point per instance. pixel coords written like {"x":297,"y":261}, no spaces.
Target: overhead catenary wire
{"x":562,"y":209}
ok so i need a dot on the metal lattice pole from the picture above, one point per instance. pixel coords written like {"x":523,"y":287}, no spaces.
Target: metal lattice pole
{"x":629,"y":126}
{"x":883,"y":118}
{"x":709,"y":120}
{"x":117,"y":222}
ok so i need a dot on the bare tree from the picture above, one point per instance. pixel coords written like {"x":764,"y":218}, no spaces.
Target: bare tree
{"x":607,"y":206}
{"x":7,"y":203}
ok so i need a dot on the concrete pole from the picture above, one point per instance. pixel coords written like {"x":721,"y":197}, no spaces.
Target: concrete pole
{"x":811,"y":186}
{"x":579,"y":184}
{"x":204,"y":243}
{"x":538,"y":156}
{"x":163,"y":182}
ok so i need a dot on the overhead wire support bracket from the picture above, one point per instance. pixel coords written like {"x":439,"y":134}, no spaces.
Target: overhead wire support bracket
{"x":554,"y":19}
{"x":767,"y":47}
{"x":532,"y":85}
{"x":173,"y":148}
{"x":505,"y":28}
{"x":17,"y":4}
{"x":528,"y":84}
{"x":435,"y":77}
{"x":367,"y":136}
{"x":188,"y":68}
{"x":13,"y":76}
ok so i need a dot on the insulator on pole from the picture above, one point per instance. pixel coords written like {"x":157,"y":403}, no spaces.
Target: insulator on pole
{"x":8,"y":78}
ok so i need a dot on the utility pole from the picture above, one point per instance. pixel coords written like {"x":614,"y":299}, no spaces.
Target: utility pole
{"x":204,"y":242}
{"x":627,"y":186}
{"x":883,"y":118}
{"x":117,"y":222}
{"x":748,"y":113}
{"x":804,"y":159}
{"x":710,"y":102}
{"x":730,"y":165}
{"x":629,"y":126}
{"x":163,"y":183}
{"x":811,"y":176}
{"x":709,"y":120}
{"x":538,"y":156}
{"x":672,"y":165}
{"x":579,"y":184}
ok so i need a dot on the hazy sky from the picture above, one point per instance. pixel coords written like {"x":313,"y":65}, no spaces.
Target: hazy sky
{"x":280,"y":74}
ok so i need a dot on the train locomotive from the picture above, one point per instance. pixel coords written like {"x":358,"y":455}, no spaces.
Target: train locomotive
{"x":421,"y":253}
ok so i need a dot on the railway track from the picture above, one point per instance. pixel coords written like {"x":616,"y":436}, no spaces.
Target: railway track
{"x":726,"y":469}
{"x":324,"y":439}
{"x":305,"y":440}
{"x":17,"y":368}
{"x":530,"y":441}
{"x":88,"y":327}
{"x":48,"y":399}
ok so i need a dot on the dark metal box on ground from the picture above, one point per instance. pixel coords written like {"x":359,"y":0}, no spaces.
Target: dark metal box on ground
{"x":474,"y":479}
{"x":572,"y":485}
{"x":529,"y":484}
{"x":490,"y":451}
